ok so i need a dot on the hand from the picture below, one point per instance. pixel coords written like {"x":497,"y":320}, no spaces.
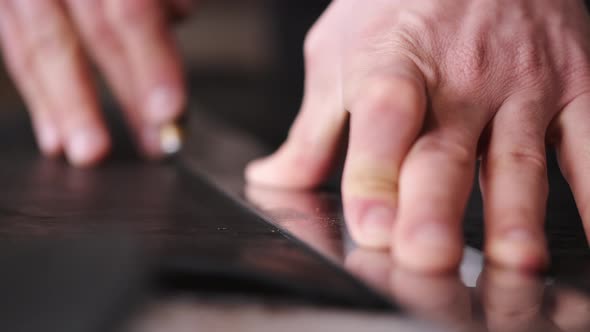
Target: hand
{"x":430,"y":86}
{"x":45,"y":46}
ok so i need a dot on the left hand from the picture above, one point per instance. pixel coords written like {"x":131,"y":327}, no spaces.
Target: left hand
{"x":49,"y":46}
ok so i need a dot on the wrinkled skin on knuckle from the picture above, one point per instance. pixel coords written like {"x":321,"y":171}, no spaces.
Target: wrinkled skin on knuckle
{"x":467,"y":73}
{"x":577,"y":76}
{"x":531,"y":61}
{"x":567,"y":48}
{"x":381,"y":97}
{"x":573,"y":63}
{"x":472,"y":68}
{"x":477,"y":52}
{"x":531,"y":113}
{"x":491,"y":57}
{"x":101,"y":33}
{"x":130,"y":12}
{"x":414,"y":37}
{"x":53,"y":39}
{"x":385,"y":31}
{"x":522,"y":157}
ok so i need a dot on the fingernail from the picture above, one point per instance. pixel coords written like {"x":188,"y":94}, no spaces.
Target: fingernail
{"x":170,"y":139}
{"x":86,"y":147}
{"x":163,"y":105}
{"x":158,"y":142}
{"x":49,"y":141}
{"x":376,"y":226}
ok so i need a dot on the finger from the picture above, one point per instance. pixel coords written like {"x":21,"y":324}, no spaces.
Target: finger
{"x":512,"y":301}
{"x":310,"y":151}
{"x":154,"y":62}
{"x":53,"y":50}
{"x":386,"y":117}
{"x":572,"y":128}
{"x":106,"y":48}
{"x":514,"y":186}
{"x":435,"y":183}
{"x":45,"y":129}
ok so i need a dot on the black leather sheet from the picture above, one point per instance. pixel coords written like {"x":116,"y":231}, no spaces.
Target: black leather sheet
{"x":194,"y":226}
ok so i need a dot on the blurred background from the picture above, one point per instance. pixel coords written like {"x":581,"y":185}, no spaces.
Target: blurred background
{"x":243,"y":61}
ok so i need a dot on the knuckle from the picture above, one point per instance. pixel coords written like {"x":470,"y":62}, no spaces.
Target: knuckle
{"x":130,"y":12}
{"x":100,"y":34}
{"x":530,"y":61}
{"x":529,"y":108}
{"x":407,"y":29}
{"x":412,"y":21}
{"x":534,"y":161}
{"x":413,"y":33}
{"x":577,"y":80}
{"x":310,"y":43}
{"x":470,"y":63}
{"x":401,"y":97}
{"x":318,"y":37}
{"x":51,"y":39}
{"x":575,"y":71}
{"x":313,"y":45}
{"x":453,"y":151}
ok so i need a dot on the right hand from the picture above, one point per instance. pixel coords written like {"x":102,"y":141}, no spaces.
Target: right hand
{"x":48,"y":45}
{"x":427,"y":87}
